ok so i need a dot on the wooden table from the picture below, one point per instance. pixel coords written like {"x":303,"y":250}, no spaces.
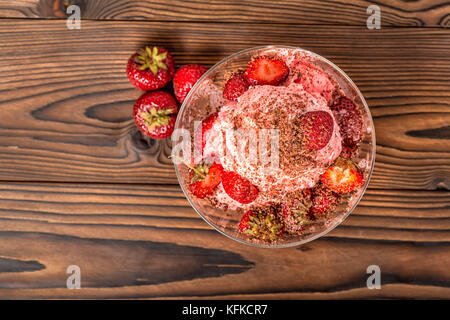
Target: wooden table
{"x":79,"y":185}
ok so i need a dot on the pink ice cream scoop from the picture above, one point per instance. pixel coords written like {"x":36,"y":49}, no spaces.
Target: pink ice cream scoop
{"x":260,"y":138}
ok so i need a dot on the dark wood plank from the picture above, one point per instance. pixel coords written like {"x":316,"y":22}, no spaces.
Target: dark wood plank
{"x":66,"y":102}
{"x":135,"y":241}
{"x":335,"y":12}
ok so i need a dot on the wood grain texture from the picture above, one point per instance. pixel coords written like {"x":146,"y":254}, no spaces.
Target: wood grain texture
{"x":394,"y":12}
{"x":135,"y":241}
{"x":66,"y":102}
{"x":66,"y":119}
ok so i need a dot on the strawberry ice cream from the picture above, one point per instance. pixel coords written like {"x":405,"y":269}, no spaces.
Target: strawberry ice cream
{"x":277,"y":146}
{"x":281,"y":107}
{"x":274,"y":107}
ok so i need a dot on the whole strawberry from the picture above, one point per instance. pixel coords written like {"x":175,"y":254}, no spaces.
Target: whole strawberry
{"x":318,"y":129}
{"x":155,"y":114}
{"x":323,"y":201}
{"x":235,"y":87}
{"x":263,"y":223}
{"x":349,"y":118}
{"x":295,"y":211}
{"x":185,"y":78}
{"x":150,"y":68}
{"x":205,"y":179}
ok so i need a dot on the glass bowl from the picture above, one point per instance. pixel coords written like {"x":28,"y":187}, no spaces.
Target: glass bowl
{"x":207,"y":94}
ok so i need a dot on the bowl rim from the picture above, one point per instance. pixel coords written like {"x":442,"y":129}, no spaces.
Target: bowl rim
{"x":366,"y":107}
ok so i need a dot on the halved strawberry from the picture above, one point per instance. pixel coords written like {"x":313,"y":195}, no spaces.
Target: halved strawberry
{"x":235,"y":86}
{"x":263,"y":223}
{"x":318,"y":129}
{"x":323,"y":201}
{"x":266,"y":70}
{"x":238,"y":188}
{"x":206,"y":180}
{"x":349,"y":118}
{"x":342,"y":177}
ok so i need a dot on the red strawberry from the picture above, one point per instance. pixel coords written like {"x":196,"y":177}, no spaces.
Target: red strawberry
{"x":263,"y":223}
{"x":349,"y":118}
{"x":243,"y":224}
{"x":318,"y":129}
{"x":342,"y":177}
{"x":238,"y":188}
{"x":266,"y":70}
{"x":206,"y":180}
{"x":199,"y":189}
{"x":323,"y":201}
{"x":295,"y":211}
{"x":155,"y":114}
{"x":235,"y":87}
{"x":185,"y":78}
{"x":150,"y":68}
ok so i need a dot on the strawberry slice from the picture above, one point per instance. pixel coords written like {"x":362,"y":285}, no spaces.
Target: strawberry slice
{"x":206,"y":180}
{"x":266,"y":70}
{"x":349,"y":118}
{"x":342,"y":177}
{"x":235,"y":87}
{"x":238,"y":188}
{"x":318,"y":129}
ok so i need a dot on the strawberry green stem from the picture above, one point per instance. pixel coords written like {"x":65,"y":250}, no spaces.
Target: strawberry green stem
{"x":150,"y":59}
{"x":190,"y":166}
{"x":155,"y":118}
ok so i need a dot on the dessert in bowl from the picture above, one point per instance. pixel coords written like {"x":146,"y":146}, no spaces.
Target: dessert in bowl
{"x":278,"y":146}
